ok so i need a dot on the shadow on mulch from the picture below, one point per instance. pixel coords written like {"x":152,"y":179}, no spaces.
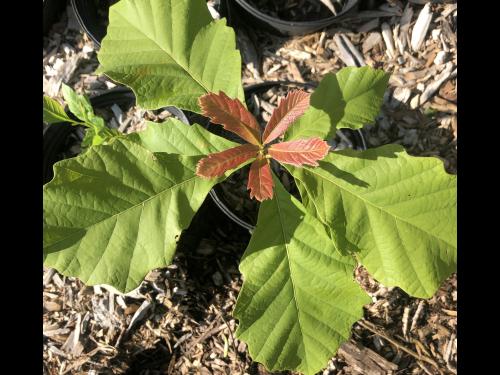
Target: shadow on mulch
{"x":150,"y":361}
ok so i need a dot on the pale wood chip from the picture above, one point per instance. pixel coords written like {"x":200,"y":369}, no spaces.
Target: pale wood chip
{"x":347,"y":52}
{"x":371,"y":41}
{"x":294,"y":70}
{"x":404,"y":27}
{"x":417,"y":315}
{"x":431,"y":89}
{"x":389,"y":44}
{"x":52,"y":306}
{"x":421,"y":26}
{"x":140,"y":314}
{"x":47,"y":276}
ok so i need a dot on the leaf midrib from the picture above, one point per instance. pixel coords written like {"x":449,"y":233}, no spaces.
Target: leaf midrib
{"x":290,"y":268}
{"x":368,"y":203}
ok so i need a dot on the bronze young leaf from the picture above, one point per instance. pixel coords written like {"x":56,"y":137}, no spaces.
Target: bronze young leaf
{"x":234,"y":117}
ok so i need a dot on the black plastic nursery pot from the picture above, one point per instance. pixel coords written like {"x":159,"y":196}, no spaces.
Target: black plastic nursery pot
{"x":87,"y":13}
{"x":345,"y":138}
{"x":52,"y":10}
{"x":243,"y":11}
{"x":92,"y":16}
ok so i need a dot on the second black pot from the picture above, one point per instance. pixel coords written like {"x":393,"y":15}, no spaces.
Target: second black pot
{"x":243,"y":11}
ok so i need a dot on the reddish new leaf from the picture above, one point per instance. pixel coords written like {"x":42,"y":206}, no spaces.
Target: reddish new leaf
{"x":232,"y":115}
{"x":293,"y":106}
{"x":260,"y":180}
{"x":300,"y":151}
{"x":216,"y":164}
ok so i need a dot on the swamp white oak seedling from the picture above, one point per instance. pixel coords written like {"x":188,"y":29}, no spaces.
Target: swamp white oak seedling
{"x":113,"y":213}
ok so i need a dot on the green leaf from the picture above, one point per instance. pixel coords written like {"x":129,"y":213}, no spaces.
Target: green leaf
{"x":396,"y":212}
{"x":349,"y":99}
{"x":299,"y":298}
{"x":170,"y":52}
{"x":97,"y":132}
{"x":89,"y":139}
{"x":53,"y":112}
{"x":116,"y":212}
{"x":175,"y":137}
{"x":80,"y":106}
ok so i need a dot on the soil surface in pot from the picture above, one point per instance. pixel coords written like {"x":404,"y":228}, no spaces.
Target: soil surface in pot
{"x":296,"y":10}
{"x":234,"y":189}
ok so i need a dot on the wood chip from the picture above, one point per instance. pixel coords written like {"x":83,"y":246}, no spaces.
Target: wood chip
{"x":441,"y":58}
{"x":400,"y":96}
{"x":72,"y":344}
{"x":139,"y":314}
{"x":347,"y":52}
{"x":421,"y":26}
{"x":365,"y":360}
{"x":299,"y":55}
{"x":52,"y":306}
{"x":416,"y":316}
{"x":389,"y":44}
{"x":63,"y":74}
{"x":371,"y":41}
{"x":294,"y":70}
{"x":431,"y":89}
{"x":450,"y":312}
{"x":404,"y":28}
{"x":358,"y":56}
{"x":47,"y":276}
{"x":406,"y":315}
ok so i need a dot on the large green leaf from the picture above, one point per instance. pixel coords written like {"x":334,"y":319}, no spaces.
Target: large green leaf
{"x":170,"y":52}
{"x":395,"y":211}
{"x":116,"y":212}
{"x":175,"y":137}
{"x":349,"y":99}
{"x":299,"y":298}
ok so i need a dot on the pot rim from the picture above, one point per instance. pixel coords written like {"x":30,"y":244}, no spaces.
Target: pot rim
{"x":270,"y":19}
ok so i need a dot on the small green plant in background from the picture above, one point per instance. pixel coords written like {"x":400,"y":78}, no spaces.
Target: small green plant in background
{"x":96,"y":131}
{"x":115,"y":212}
